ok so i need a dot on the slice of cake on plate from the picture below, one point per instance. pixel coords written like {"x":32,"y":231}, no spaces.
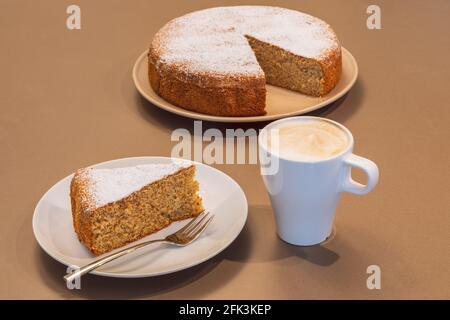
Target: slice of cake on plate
{"x":113,"y":207}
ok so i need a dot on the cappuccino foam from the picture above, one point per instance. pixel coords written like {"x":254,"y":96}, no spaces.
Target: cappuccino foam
{"x":307,"y":140}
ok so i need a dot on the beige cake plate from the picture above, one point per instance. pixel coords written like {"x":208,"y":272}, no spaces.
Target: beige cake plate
{"x":280,"y":102}
{"x":222,"y":196}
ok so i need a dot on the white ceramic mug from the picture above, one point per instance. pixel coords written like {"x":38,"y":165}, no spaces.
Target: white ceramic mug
{"x":304,"y":194}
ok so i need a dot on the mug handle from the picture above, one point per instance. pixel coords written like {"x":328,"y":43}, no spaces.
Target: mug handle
{"x":366,"y":165}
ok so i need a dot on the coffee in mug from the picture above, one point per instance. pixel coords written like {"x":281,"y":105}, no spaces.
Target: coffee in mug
{"x":308,"y":140}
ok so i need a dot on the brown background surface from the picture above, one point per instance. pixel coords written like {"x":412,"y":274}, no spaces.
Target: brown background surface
{"x":67,"y":100}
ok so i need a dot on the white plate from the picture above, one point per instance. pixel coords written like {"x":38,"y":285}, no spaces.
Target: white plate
{"x":280,"y":102}
{"x":222,"y":196}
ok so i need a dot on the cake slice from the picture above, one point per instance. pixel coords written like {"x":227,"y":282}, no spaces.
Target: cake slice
{"x":113,"y":207}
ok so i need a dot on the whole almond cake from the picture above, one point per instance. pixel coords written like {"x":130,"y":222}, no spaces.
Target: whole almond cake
{"x":112,"y":207}
{"x":217,"y":61}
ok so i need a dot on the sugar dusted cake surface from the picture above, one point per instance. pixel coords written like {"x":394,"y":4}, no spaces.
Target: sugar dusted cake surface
{"x":213,"y":40}
{"x":108,"y":185}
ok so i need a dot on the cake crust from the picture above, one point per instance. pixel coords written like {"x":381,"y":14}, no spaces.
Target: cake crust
{"x":246,"y":100}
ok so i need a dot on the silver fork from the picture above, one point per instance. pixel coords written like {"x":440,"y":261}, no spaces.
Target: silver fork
{"x":181,"y":237}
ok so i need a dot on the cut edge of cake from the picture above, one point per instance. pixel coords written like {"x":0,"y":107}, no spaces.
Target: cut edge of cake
{"x":282,"y":68}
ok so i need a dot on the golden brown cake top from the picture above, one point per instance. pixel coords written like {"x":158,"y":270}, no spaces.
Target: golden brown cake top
{"x":103,"y":186}
{"x":213,"y":42}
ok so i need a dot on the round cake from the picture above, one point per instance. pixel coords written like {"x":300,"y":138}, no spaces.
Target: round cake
{"x":217,"y":61}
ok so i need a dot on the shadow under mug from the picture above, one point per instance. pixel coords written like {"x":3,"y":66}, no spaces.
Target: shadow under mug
{"x":304,"y":194}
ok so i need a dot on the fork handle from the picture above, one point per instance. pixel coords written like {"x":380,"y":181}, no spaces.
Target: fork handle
{"x":97,"y":263}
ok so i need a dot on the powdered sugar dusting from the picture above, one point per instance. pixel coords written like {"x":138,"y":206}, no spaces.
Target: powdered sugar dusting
{"x":109,"y":185}
{"x":213,"y":40}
